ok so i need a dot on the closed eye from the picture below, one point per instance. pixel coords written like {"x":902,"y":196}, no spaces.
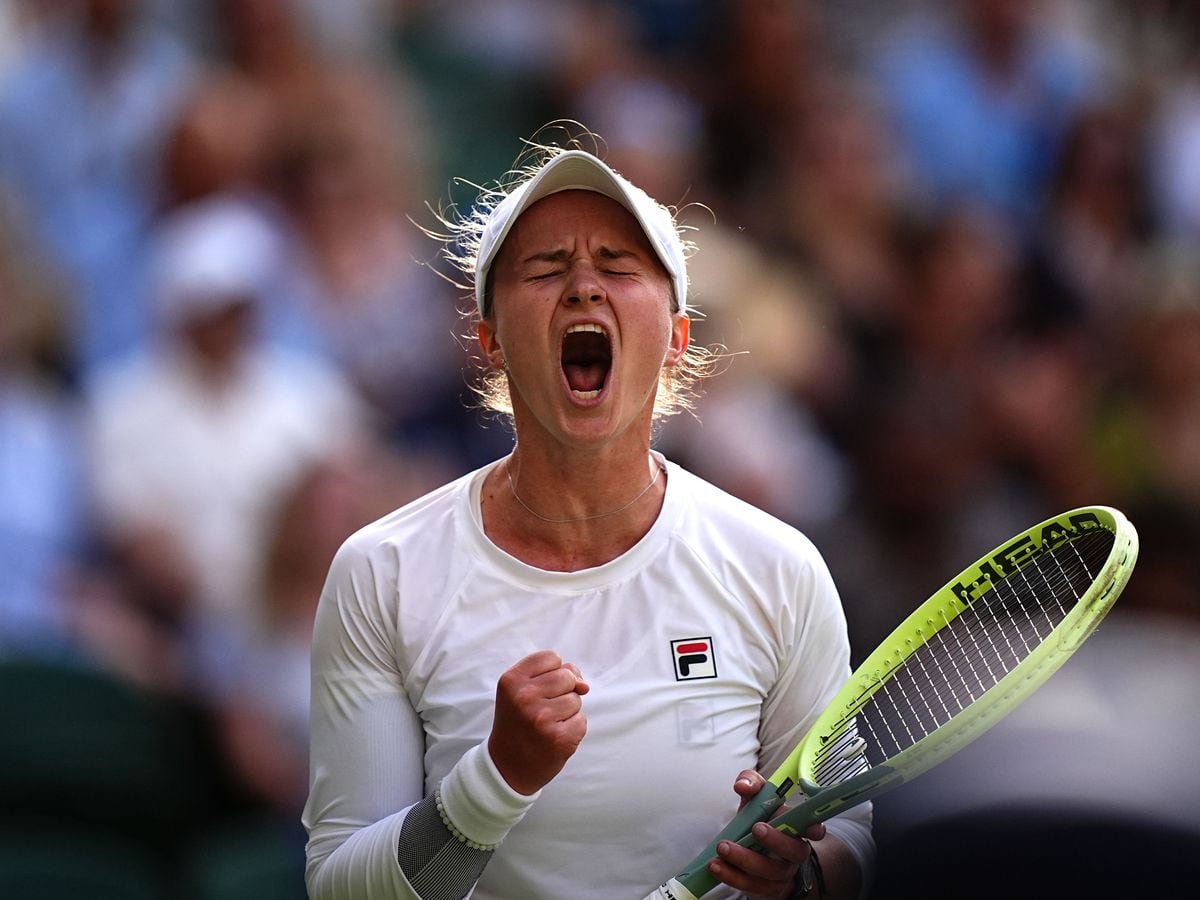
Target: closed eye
{"x":615,"y":258}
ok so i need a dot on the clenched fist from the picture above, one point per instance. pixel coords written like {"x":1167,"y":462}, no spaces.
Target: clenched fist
{"x":539,"y":720}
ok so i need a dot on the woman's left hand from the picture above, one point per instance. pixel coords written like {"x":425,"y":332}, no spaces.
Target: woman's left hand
{"x":770,"y":872}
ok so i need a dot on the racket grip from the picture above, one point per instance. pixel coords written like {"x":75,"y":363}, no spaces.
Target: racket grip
{"x":792,"y":821}
{"x":695,"y":879}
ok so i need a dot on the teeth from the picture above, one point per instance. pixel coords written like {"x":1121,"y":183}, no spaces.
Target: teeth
{"x":586,"y":395}
{"x":590,"y":326}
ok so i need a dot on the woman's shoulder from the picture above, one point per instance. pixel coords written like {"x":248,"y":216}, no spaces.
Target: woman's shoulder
{"x":715,"y":517}
{"x":415,"y":527}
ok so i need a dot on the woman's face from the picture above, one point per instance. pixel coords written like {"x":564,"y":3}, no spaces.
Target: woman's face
{"x":581,"y":319}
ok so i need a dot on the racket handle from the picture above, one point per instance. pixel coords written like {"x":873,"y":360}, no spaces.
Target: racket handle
{"x":672,"y":890}
{"x":698,"y":881}
{"x":696,"y":878}
{"x":823,"y":805}
{"x":792,"y":821}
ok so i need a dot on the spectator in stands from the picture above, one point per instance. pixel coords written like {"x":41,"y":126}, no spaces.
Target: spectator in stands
{"x":194,"y":440}
{"x":82,"y":119}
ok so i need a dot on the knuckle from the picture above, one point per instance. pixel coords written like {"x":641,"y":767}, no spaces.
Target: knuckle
{"x":541,"y":719}
{"x":510,"y":680}
{"x":567,"y":678}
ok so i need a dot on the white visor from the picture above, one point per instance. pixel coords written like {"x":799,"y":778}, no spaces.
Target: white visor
{"x":575,"y":170}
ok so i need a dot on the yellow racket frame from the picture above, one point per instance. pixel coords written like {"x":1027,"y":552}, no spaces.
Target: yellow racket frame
{"x":956,"y":596}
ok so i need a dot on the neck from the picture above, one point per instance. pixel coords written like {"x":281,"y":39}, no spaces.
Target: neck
{"x":567,"y":515}
{"x":512,"y":474}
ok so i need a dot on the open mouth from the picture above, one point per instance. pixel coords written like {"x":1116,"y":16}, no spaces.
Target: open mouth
{"x":586,"y":359}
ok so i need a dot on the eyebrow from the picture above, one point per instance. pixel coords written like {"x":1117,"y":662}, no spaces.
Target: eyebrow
{"x":563,"y":255}
{"x":548,"y":256}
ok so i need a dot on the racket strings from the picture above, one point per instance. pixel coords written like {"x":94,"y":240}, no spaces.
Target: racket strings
{"x":964,"y":656}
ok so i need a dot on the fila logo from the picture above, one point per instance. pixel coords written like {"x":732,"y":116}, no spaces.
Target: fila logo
{"x":694,"y":658}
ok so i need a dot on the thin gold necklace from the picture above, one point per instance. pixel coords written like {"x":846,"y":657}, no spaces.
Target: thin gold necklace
{"x":564,"y":521}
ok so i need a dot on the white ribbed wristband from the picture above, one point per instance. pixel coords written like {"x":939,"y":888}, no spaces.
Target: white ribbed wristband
{"x":475,"y":801}
{"x":453,"y":829}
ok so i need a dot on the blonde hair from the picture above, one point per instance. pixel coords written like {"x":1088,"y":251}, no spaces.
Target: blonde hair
{"x":460,"y":237}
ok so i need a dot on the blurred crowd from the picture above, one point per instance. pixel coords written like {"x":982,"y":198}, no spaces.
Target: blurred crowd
{"x":950,"y":248}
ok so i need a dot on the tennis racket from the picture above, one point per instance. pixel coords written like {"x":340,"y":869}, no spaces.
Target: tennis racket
{"x":961,"y":662}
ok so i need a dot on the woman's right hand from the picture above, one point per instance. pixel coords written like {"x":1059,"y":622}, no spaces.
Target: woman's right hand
{"x":539,"y":720}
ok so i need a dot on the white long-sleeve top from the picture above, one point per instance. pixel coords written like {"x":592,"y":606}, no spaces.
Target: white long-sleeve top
{"x":710,"y":647}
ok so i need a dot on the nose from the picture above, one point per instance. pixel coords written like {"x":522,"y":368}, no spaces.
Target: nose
{"x":583,"y":285}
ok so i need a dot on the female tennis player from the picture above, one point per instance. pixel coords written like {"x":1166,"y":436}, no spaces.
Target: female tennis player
{"x":542,"y":679}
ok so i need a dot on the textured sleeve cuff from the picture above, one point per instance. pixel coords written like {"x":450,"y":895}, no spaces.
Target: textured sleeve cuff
{"x":478,"y":801}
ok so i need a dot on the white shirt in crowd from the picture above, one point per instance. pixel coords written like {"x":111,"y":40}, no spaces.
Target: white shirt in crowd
{"x":209,"y":466}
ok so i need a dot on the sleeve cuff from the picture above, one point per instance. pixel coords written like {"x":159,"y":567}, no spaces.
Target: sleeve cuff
{"x":479,"y":802}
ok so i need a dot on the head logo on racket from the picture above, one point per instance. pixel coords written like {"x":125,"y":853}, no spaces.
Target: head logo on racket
{"x":694,"y":658}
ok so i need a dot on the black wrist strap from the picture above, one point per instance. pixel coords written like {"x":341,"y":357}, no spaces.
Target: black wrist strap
{"x":812,"y":882}
{"x":821,"y":890}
